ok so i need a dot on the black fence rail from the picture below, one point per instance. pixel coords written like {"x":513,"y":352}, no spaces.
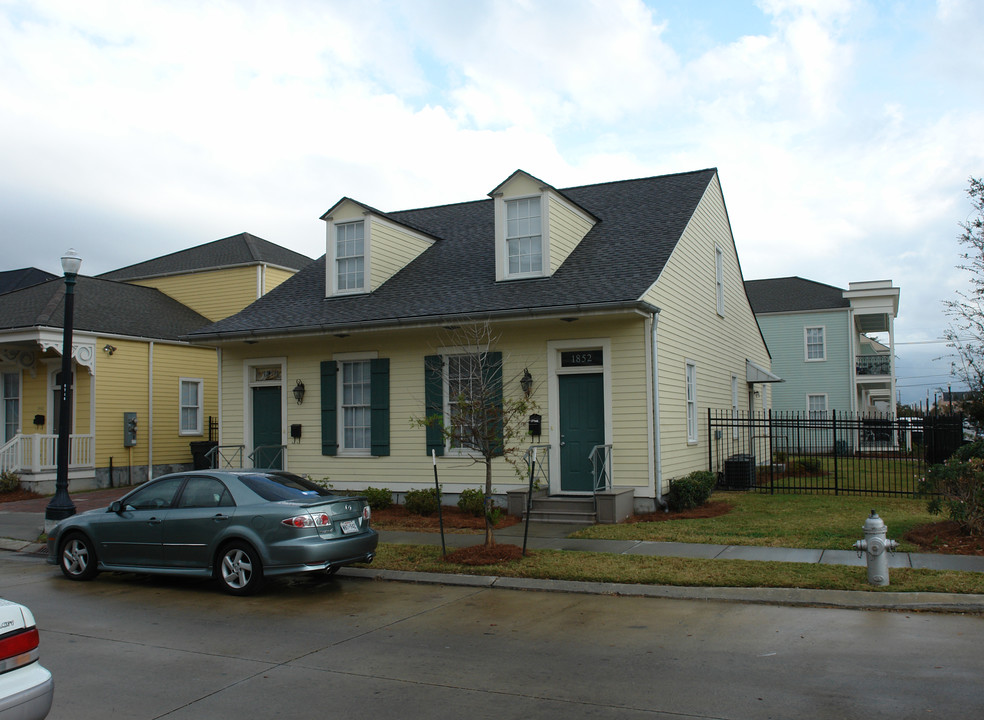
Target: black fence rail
{"x":829,"y":453}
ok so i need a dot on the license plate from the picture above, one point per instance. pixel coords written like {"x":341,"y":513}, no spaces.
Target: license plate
{"x":349,"y":526}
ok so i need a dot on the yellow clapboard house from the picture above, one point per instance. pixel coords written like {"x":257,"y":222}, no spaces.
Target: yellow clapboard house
{"x":130,"y":361}
{"x":619,"y":308}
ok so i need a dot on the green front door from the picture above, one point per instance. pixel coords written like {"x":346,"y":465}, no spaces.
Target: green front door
{"x":582,"y":426}
{"x":267,"y":429}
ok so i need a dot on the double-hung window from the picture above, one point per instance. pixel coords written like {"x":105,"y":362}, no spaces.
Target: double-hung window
{"x":816,"y":406}
{"x":691,"y":402}
{"x":350,"y":256}
{"x":719,"y":279}
{"x":355,"y":410}
{"x":11,"y":405}
{"x":524,"y":239}
{"x":464,"y":387}
{"x":191,"y":407}
{"x":816,"y":348}
{"x":356,"y":389}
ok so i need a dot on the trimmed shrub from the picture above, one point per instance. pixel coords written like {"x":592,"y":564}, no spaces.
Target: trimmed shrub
{"x":9,"y":481}
{"x":691,"y":491}
{"x":379,"y":498}
{"x":808,"y":465}
{"x":421,"y":502}
{"x":956,"y":488}
{"x":472,"y":501}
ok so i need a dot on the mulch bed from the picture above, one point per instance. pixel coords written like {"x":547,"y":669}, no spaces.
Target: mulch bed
{"x":945,"y":537}
{"x":18,"y":494}
{"x":714,"y":508}
{"x":395,"y":517}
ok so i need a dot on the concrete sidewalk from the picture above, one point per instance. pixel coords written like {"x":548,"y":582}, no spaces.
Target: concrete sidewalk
{"x":22,"y":522}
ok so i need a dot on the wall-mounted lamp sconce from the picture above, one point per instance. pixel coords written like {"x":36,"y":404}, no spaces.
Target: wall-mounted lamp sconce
{"x":298,"y":392}
{"x":526,"y":382}
{"x":109,"y":349}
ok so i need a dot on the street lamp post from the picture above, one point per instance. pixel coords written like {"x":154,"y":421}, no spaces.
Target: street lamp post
{"x":61,"y":506}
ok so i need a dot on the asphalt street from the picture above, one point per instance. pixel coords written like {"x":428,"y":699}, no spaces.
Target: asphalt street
{"x":130,"y":646}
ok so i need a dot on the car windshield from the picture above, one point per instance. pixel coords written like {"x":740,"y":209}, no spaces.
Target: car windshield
{"x":283,"y":486}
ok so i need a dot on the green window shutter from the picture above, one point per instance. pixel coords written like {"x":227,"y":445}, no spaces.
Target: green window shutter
{"x":434,"y":402}
{"x":492,"y":379}
{"x":379,"y":406}
{"x":329,"y":408}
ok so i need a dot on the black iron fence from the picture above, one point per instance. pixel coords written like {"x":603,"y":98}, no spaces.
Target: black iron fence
{"x":827,"y":453}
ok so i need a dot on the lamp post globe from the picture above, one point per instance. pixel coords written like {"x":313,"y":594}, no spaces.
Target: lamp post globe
{"x":61,"y":506}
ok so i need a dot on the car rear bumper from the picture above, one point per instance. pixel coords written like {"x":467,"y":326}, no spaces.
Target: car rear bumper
{"x":313,"y":553}
{"x":26,"y":693}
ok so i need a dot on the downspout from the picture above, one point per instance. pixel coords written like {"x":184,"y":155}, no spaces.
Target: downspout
{"x":150,"y":413}
{"x":657,"y":456}
{"x":853,"y":343}
{"x":218,"y":391}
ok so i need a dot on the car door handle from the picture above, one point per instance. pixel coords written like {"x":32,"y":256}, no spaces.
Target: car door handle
{"x":219,"y":517}
{"x":154,"y":521}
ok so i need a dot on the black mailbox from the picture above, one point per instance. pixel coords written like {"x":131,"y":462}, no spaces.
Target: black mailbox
{"x":536,"y":423}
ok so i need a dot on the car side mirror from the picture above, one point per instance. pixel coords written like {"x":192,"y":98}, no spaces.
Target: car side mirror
{"x":116,"y":507}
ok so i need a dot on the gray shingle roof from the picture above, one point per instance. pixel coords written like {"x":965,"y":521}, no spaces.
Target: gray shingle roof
{"x":101,"y":306}
{"x":793,"y":294}
{"x":639,"y":224}
{"x":241,"y":249}
{"x":25,"y":277}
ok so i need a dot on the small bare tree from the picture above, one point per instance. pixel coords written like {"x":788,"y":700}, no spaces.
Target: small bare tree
{"x":483,"y":420}
{"x":966,"y":331}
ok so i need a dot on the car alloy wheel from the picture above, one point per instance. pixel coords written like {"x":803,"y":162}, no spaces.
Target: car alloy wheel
{"x":78,"y":558}
{"x":240,"y":569}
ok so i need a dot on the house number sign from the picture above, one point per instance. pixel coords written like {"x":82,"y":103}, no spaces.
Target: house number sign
{"x":582,"y":358}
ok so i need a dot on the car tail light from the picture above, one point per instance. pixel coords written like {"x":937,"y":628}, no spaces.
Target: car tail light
{"x":366,"y":513}
{"x":308,"y":520}
{"x":18,"y":649}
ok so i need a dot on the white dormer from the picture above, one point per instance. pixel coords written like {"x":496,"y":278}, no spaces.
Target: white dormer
{"x":536,"y":227}
{"x":364,"y":249}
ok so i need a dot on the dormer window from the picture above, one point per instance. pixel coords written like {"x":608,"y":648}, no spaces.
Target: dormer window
{"x":524,"y":241}
{"x":350,"y":255}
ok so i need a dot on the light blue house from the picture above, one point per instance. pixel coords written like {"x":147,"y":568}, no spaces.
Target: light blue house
{"x":833,"y":348}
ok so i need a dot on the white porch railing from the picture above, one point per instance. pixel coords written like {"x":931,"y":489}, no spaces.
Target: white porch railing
{"x":38,"y":453}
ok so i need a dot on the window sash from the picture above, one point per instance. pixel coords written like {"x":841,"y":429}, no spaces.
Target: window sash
{"x":350,"y":256}
{"x":815,"y":349}
{"x":691,"y":402}
{"x":464,"y":380}
{"x":11,"y":405}
{"x":191,"y":407}
{"x":816,"y":406}
{"x":355,"y":402}
{"x":524,"y":236}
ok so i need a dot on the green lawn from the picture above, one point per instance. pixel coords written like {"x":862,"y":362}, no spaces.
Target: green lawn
{"x":795,"y":521}
{"x":635,"y":569}
{"x":824,"y":522}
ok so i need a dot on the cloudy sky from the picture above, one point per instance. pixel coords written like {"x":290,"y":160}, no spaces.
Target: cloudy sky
{"x":844,"y":130}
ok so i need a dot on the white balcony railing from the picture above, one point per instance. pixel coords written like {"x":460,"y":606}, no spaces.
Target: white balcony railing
{"x":38,"y":453}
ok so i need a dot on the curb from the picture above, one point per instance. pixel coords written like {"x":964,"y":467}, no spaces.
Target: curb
{"x":794,"y":597}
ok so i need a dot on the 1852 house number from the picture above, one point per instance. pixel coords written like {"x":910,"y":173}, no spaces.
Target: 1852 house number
{"x":581,"y":358}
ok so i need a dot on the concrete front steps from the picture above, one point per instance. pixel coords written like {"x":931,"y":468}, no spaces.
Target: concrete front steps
{"x":606,"y":507}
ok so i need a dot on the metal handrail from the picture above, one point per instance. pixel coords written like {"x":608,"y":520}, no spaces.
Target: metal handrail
{"x":276,"y":459}
{"x":540,"y":474}
{"x":215,"y":453}
{"x":601,"y":479}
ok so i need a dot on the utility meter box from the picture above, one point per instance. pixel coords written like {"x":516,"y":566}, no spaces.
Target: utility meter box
{"x":129,"y":429}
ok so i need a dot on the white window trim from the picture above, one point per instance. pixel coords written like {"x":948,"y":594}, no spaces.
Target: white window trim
{"x":331,"y":277}
{"x":445,"y":353}
{"x":826,"y":404}
{"x":501,"y":250}
{"x":19,"y":398}
{"x":339,"y":359}
{"x":690,"y":384}
{"x":806,"y":343}
{"x":201,"y":399}
{"x":719,"y":279}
